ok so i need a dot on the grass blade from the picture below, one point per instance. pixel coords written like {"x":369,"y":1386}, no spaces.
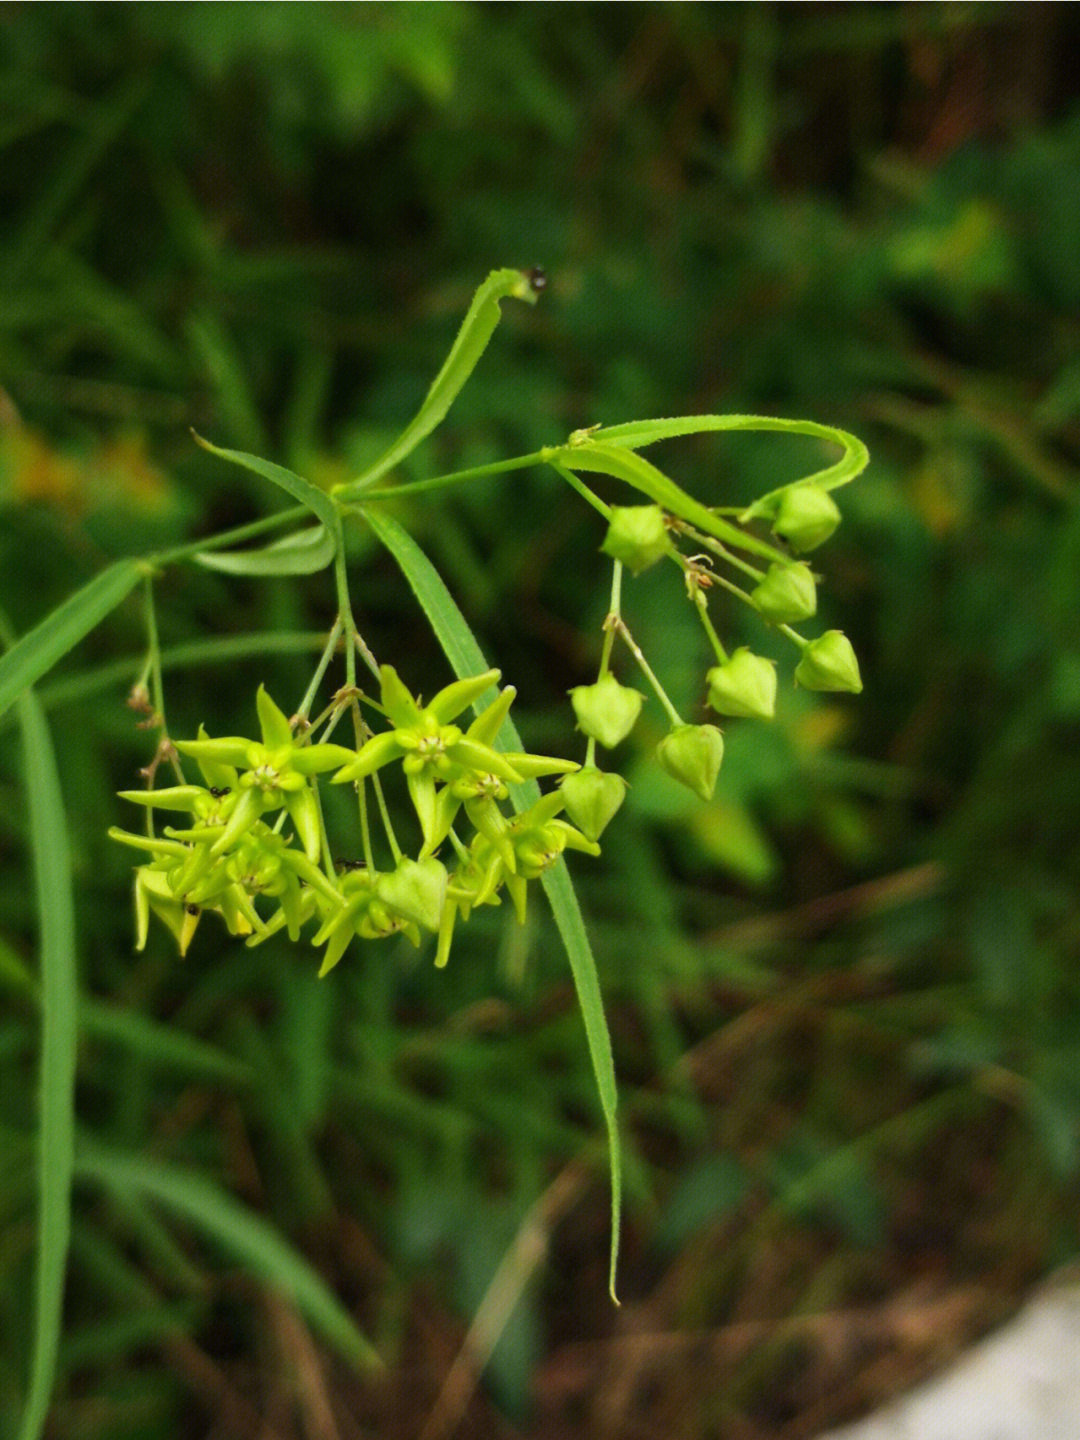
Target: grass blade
{"x":300,"y":489}
{"x":466,"y":658}
{"x":476,"y":330}
{"x":162,"y":1046}
{"x":459,"y":644}
{"x":39,"y":649}
{"x":56,"y":1136}
{"x":238,"y":1230}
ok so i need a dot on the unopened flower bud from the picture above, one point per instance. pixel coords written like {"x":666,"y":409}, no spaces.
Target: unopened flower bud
{"x":787,"y":594}
{"x":591,"y":798}
{"x":691,"y":754}
{"x":743,"y":685}
{"x":606,"y":711}
{"x":637,"y":536}
{"x":806,"y":515}
{"x":829,"y":663}
{"x":416,"y":890}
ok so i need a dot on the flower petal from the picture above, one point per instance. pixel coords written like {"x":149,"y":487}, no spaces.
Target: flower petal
{"x":273,"y":721}
{"x":247,"y":810}
{"x":303,"y":811}
{"x":171,"y":797}
{"x":372,"y":756}
{"x":453,"y":699}
{"x":226,"y":750}
{"x":401,"y":709}
{"x":217,"y":775}
{"x":485,"y":728}
{"x":530,"y":767}
{"x":317,"y":759}
{"x":422,"y":794}
{"x":474,"y":756}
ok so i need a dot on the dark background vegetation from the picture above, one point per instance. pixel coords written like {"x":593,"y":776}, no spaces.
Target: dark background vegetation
{"x":844,"y":997}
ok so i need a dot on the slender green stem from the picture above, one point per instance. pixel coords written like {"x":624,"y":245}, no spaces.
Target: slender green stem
{"x":354,"y":641}
{"x":732,"y":589}
{"x":335,"y":712}
{"x":590,"y":752}
{"x":582,"y":489}
{"x":348,"y":492}
{"x":723,"y":552}
{"x":359,"y":727}
{"x":791,"y":634}
{"x":320,"y":670}
{"x":229,"y":537}
{"x":157,"y":689}
{"x":157,"y":701}
{"x":345,"y":615}
{"x":647,"y":670}
{"x":327,"y":858}
{"x":391,"y":838}
{"x":365,"y":829}
{"x":701,"y":605}
{"x":614,"y":615}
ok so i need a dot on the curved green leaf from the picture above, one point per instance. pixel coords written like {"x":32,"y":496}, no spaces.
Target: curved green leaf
{"x":39,"y":649}
{"x":240,"y":1231}
{"x":303,"y":553}
{"x":476,"y":330}
{"x":635,"y":470}
{"x":300,"y":489}
{"x":854,"y":461}
{"x":466,"y":658}
{"x":59,"y":993}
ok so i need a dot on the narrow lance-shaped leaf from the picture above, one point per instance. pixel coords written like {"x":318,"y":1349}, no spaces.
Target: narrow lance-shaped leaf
{"x":295,"y":485}
{"x":476,"y":330}
{"x":56,"y":918}
{"x":36,"y":652}
{"x":238,"y":1230}
{"x":465,"y":656}
{"x":304,"y":553}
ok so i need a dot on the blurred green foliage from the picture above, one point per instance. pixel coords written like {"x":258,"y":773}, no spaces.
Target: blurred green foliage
{"x":845,"y":999}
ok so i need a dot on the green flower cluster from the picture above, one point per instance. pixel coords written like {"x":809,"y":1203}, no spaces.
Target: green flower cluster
{"x":228,"y":858}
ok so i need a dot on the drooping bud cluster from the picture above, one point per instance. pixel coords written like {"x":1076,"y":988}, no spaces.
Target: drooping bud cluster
{"x":229,"y":860}
{"x":741,"y":684}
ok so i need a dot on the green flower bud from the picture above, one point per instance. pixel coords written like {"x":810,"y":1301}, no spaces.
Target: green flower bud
{"x":416,"y":890}
{"x":691,"y":754}
{"x":743,"y":685}
{"x":637,"y":536}
{"x":787,"y":594}
{"x":806,"y":515}
{"x":829,"y":663}
{"x":592,"y":799}
{"x":606,"y":711}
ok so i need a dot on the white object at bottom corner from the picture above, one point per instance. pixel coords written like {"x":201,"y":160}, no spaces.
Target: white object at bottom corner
{"x":1022,"y":1382}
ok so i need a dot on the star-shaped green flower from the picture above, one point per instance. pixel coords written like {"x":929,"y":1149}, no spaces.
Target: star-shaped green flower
{"x":435,"y":753}
{"x":520,"y":851}
{"x":274,"y":773}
